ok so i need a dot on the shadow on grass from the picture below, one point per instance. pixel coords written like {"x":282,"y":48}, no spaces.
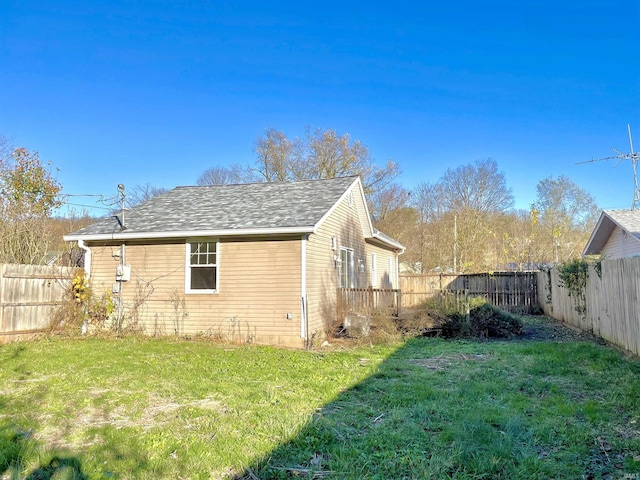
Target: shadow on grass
{"x":467,"y":410}
{"x":18,"y":451}
{"x":394,"y":424}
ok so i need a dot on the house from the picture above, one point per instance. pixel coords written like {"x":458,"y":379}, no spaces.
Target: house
{"x":616,"y":235}
{"x":251,"y":262}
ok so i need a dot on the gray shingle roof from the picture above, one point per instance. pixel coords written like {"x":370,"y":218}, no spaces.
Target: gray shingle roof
{"x":627,"y":219}
{"x":258,"y":206}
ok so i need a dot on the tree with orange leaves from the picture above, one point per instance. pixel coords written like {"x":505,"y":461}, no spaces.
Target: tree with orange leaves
{"x":29,"y":194}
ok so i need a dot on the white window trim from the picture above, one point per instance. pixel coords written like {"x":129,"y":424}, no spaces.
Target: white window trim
{"x":344,"y":265}
{"x":187,"y":267}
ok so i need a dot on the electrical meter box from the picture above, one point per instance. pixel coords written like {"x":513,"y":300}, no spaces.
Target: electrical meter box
{"x":123,"y":273}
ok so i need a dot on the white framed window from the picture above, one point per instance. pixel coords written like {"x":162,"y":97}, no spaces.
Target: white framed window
{"x":374,"y":270}
{"x":201,"y":267}
{"x":346,"y":269}
{"x":391,"y":272}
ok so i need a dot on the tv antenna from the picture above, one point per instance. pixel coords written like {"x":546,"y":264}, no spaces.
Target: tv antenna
{"x":633,"y":156}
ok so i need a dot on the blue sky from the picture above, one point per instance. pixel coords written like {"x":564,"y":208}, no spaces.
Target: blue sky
{"x":155,"y":92}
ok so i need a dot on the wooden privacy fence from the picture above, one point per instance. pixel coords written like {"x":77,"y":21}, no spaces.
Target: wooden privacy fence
{"x":608,"y":306}
{"x":28,"y":293}
{"x":508,"y":290}
{"x":385,"y":301}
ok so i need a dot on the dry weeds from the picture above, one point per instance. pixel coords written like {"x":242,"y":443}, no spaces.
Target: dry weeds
{"x":157,"y":413}
{"x":442,"y":362}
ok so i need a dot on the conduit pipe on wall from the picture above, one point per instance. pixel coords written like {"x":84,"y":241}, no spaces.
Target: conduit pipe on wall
{"x":87,"y":258}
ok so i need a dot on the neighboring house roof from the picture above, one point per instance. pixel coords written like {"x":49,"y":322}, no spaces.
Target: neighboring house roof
{"x":241,"y":209}
{"x":627,"y":220}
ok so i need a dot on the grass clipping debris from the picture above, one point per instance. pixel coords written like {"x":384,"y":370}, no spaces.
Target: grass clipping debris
{"x":475,"y":318}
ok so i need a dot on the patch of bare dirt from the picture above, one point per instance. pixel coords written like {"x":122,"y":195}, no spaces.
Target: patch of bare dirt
{"x":444,"y":361}
{"x":547,"y":328}
{"x":119,"y":416}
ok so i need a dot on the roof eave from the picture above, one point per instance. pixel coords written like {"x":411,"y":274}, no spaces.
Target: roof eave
{"x":389,"y":241}
{"x":594,"y":242}
{"x":602,"y":232}
{"x":124,"y":235}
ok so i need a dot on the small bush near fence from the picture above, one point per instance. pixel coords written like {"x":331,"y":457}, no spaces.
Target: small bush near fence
{"x":483,"y":321}
{"x":477,"y":318}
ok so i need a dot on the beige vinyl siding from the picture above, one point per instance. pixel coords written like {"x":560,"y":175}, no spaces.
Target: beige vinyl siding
{"x":322,"y":275}
{"x":385,"y":278}
{"x":373,"y":267}
{"x":360,"y":205}
{"x":258,"y":282}
{"x":621,"y":244}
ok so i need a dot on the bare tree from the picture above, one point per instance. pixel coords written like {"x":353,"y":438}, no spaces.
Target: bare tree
{"x":567,"y":214}
{"x":274,"y":152}
{"x":392,"y":213}
{"x":561,"y":201}
{"x":141,"y":193}
{"x":215,"y":176}
{"x":332,"y":155}
{"x":458,"y":218}
{"x":220,"y":175}
{"x":480,"y":187}
{"x":427,"y":199}
{"x":320,"y":154}
{"x":68,"y":253}
{"x":6,"y":149}
{"x":383,"y":202}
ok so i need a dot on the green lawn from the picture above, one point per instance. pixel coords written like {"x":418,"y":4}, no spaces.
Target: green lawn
{"x":549,"y":406}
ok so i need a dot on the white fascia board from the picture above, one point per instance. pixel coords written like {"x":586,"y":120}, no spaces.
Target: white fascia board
{"x":189,"y":234}
{"x":366,"y":208}
{"x":386,"y":241}
{"x":595,"y":232}
{"x":334,"y":206}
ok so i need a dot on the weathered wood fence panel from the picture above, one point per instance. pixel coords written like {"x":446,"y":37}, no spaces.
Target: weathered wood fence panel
{"x":386,"y":301}
{"x":507,"y":290}
{"x":610,"y":306}
{"x":417,"y":288}
{"x":28,"y":293}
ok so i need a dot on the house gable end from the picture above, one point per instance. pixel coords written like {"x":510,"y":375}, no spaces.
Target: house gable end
{"x":617,"y":234}
{"x":354,"y":195}
{"x":599,"y":235}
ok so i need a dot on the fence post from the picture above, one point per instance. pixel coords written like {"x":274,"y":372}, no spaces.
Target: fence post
{"x":372,"y":304}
